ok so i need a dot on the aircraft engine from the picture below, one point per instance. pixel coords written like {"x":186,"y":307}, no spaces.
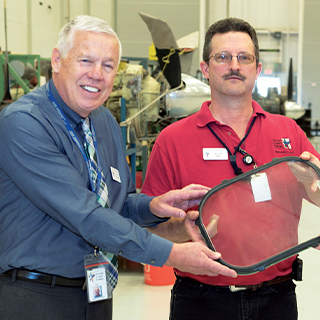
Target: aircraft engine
{"x":139,"y":89}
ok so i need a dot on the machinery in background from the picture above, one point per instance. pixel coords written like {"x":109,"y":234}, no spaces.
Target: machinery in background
{"x":18,"y":71}
{"x":280,"y":104}
{"x":168,"y":94}
{"x":24,"y":74}
{"x":139,"y":89}
{"x":153,"y":101}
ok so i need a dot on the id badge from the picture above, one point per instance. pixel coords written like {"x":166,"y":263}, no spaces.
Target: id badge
{"x":96,"y":270}
{"x":260,"y":187}
{"x":215,"y":154}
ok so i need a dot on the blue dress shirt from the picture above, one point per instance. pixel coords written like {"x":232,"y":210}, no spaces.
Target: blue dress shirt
{"x":49,"y":217}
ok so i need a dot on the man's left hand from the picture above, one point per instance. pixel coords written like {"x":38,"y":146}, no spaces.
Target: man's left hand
{"x":192,"y":230}
{"x":308,"y":178}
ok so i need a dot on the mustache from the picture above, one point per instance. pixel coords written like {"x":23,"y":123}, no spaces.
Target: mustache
{"x":234,"y":73}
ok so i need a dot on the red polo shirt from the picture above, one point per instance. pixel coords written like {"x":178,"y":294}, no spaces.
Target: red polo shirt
{"x":177,"y":160}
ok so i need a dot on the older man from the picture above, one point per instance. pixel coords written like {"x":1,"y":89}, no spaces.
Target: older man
{"x":67,"y":201}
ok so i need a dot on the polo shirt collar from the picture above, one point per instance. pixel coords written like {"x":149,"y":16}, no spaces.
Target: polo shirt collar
{"x":204,"y":115}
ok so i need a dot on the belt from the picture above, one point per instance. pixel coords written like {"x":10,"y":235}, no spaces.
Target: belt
{"x":43,"y":278}
{"x":235,"y":288}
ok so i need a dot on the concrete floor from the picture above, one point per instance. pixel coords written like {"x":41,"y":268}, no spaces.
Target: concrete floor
{"x":135,"y":300}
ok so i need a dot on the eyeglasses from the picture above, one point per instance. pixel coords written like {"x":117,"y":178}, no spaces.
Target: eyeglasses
{"x":226,"y":57}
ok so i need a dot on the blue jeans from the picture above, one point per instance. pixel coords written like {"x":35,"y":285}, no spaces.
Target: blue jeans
{"x":192,"y":300}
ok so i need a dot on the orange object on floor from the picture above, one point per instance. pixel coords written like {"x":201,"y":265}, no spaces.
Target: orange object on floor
{"x":157,"y":276}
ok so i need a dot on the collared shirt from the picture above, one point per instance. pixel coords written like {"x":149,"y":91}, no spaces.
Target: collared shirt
{"x":49,"y":218}
{"x":177,"y":159}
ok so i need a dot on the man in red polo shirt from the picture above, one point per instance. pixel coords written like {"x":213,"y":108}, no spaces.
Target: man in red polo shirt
{"x":205,"y":148}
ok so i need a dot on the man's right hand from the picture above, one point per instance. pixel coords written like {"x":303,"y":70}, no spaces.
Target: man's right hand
{"x":196,"y":258}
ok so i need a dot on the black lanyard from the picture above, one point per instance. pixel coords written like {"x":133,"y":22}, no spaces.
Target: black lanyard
{"x":233,"y":159}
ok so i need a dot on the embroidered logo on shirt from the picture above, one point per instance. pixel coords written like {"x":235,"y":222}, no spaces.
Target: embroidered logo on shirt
{"x":286,"y":143}
{"x":283,"y":145}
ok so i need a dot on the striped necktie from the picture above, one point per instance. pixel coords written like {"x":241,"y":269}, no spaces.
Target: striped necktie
{"x":102,"y":196}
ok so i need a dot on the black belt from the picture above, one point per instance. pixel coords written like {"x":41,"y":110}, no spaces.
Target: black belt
{"x":43,"y":278}
{"x":234,"y":288}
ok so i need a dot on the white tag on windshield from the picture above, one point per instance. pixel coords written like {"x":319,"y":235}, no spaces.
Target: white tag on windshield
{"x":260,"y":187}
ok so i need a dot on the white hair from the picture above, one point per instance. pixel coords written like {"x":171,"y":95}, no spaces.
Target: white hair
{"x":83,"y":23}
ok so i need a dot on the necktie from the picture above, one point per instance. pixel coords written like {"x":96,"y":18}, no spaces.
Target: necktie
{"x":102,"y":196}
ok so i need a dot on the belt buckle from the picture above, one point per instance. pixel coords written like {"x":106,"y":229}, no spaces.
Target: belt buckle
{"x":235,"y":289}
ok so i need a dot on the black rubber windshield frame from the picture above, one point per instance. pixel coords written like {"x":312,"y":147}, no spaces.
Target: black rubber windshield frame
{"x":262,"y":265}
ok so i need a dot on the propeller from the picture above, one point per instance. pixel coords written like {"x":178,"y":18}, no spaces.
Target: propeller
{"x":166,"y":48}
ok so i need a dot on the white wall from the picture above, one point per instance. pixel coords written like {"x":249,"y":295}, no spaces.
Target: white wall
{"x":17,"y":24}
{"x":33,"y":25}
{"x":310,"y":66}
{"x":266,"y":17}
{"x":45,"y":25}
{"x":33,"y":28}
{"x":271,"y":14}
